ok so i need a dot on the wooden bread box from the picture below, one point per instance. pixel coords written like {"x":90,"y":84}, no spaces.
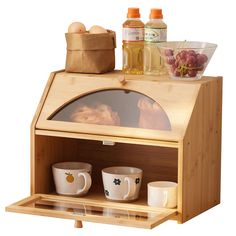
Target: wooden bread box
{"x":187,"y":150}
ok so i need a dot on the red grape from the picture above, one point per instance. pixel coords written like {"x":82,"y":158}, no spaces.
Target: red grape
{"x":191,"y":52}
{"x":190,"y":59}
{"x":169,"y":52}
{"x":201,"y":59}
{"x":170,"y":60}
{"x":173,"y":68}
{"x":205,"y":57}
{"x":176,"y":73}
{"x":183,"y":54}
{"x":200,"y":68}
{"x":186,"y":63}
{"x":176,"y":63}
{"x":177,"y":56}
{"x":182,"y":62}
{"x":192,"y":73}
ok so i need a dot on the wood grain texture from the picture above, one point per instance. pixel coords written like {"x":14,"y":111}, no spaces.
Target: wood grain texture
{"x":33,"y":126}
{"x":202,"y":152}
{"x":149,"y":142}
{"x":78,"y":224}
{"x":180,"y":183}
{"x":117,"y":73}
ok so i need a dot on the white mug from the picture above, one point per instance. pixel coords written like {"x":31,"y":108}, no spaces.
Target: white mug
{"x":72,"y":178}
{"x":162,"y":194}
{"x":121,"y":183}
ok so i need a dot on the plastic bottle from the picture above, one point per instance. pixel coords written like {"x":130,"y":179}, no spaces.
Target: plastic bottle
{"x":133,"y":43}
{"x":155,"y":32}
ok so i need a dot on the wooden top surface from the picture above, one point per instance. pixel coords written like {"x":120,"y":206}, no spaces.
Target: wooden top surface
{"x":163,"y":78}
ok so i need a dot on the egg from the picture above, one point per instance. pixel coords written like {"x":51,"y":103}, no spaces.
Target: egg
{"x":76,"y":28}
{"x":96,"y":29}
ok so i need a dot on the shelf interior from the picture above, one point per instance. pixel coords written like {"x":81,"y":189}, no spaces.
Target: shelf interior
{"x":157,"y":163}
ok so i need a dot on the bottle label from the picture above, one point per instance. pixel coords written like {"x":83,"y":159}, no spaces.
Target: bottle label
{"x":133,"y":34}
{"x":155,"y":35}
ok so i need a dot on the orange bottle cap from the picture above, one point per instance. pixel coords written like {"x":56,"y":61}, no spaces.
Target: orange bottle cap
{"x":156,"y":13}
{"x":133,"y":13}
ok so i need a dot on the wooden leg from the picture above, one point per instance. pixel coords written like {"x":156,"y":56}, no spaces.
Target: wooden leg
{"x":78,"y":224}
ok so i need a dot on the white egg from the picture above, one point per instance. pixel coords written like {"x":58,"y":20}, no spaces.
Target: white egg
{"x":76,"y":28}
{"x":96,"y":29}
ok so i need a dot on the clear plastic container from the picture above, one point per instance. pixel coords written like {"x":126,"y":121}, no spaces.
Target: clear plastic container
{"x":133,"y":43}
{"x":155,"y":32}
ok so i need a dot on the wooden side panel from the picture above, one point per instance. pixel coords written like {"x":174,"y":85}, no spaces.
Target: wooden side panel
{"x":157,"y":163}
{"x":32,"y":129}
{"x":202,"y":152}
{"x":211,"y":159}
{"x":192,"y":169}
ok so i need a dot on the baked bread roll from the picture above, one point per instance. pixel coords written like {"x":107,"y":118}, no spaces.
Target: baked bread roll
{"x":99,"y":114}
{"x":152,"y":116}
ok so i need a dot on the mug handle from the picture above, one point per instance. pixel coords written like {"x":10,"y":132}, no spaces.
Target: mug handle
{"x":87,"y":182}
{"x":131,"y":188}
{"x":165,"y":200}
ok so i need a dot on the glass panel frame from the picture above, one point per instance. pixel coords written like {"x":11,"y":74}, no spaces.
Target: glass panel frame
{"x":84,"y":210}
{"x":114,"y":107}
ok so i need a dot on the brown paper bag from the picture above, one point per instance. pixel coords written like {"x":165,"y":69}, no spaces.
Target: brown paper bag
{"x":90,"y":53}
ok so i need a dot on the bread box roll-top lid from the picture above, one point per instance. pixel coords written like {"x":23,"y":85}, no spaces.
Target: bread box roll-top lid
{"x":87,"y":41}
{"x":101,"y":106}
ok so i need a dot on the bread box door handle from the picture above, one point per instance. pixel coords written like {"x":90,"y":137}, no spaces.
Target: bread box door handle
{"x":108,"y":143}
{"x":122,"y":80}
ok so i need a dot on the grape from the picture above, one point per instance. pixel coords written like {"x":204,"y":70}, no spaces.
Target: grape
{"x":183,"y":54}
{"x":169,"y":52}
{"x":176,"y":73}
{"x":192,"y":73}
{"x":201,"y":59}
{"x":191,"y":53}
{"x":170,"y":60}
{"x":182,"y":62}
{"x":190,"y":66}
{"x":190,"y":59}
{"x":200,"y":68}
{"x":186,"y":63}
{"x":176,"y":63}
{"x":178,"y":56}
{"x":173,"y":68}
{"x":205,"y":58}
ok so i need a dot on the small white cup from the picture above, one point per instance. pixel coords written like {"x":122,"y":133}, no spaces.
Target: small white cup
{"x":122,"y":183}
{"x":72,"y":178}
{"x":162,"y":194}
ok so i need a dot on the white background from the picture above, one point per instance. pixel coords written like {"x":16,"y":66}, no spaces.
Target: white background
{"x":32,"y":44}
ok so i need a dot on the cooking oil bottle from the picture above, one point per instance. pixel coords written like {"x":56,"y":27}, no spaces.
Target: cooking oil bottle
{"x":155,"y":32}
{"x":133,"y":43}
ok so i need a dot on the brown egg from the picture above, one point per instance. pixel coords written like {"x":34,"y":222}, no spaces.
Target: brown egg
{"x":96,"y":29}
{"x":76,"y":28}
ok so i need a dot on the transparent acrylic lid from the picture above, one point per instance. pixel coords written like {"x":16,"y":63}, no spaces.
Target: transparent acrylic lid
{"x":84,"y":210}
{"x":115,"y":107}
